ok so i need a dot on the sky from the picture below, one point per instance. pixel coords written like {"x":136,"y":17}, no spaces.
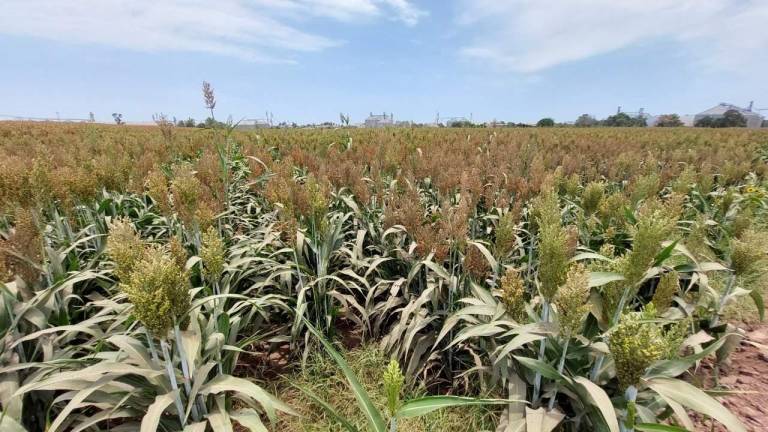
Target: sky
{"x":308,"y":60}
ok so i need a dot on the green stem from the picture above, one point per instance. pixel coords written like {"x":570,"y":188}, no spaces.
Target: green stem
{"x":216,"y":291}
{"x":723,"y":299}
{"x":629,"y":422}
{"x":151,"y":346}
{"x":560,"y":367}
{"x":542,"y":351}
{"x":393,"y":424}
{"x":174,"y":384}
{"x":185,"y":370}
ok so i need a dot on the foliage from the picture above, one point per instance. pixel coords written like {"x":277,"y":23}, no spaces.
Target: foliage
{"x":150,"y":279}
{"x":731,"y":118}
{"x":545,"y":122}
{"x":623,"y":120}
{"x":669,"y":120}
{"x":586,"y":120}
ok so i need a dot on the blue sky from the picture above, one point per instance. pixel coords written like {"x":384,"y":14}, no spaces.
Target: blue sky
{"x":308,"y":60}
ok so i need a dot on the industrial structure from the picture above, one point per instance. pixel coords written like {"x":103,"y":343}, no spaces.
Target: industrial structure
{"x":754,"y":119}
{"x":379,"y":120}
{"x":257,"y":123}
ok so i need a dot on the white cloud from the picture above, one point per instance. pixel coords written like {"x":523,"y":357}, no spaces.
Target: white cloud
{"x":531,"y":35}
{"x":259,"y":30}
{"x":406,"y":12}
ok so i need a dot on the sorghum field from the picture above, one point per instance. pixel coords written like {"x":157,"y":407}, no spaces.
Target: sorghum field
{"x":161,"y":278}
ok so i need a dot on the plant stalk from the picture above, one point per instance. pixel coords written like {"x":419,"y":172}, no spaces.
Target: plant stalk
{"x":628,"y":425}
{"x":542,"y":351}
{"x":560,"y":367}
{"x":185,"y":370}
{"x":151,"y":346}
{"x":721,"y":303}
{"x":174,"y":384}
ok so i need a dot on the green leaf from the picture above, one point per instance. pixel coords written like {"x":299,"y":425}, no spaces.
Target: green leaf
{"x":515,"y":411}
{"x":75,"y":402}
{"x":249,"y":419}
{"x":219,"y":422}
{"x":516,"y":342}
{"x":589,"y":255}
{"x":540,"y":420}
{"x":425,"y":405}
{"x":372,"y":414}
{"x":665,"y":254}
{"x":480,"y":330}
{"x":152,"y":418}
{"x":7,"y":424}
{"x":673,"y":368}
{"x":655,"y":427}
{"x":695,"y":399}
{"x":245,"y":387}
{"x":597,"y":279}
{"x":541,"y":367}
{"x":601,"y":401}
{"x":195,"y":427}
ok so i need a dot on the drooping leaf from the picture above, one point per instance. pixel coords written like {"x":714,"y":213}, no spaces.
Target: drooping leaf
{"x":152,"y":418}
{"x":541,"y":420}
{"x":675,"y":367}
{"x":249,"y":419}
{"x":421,"y":406}
{"x":597,"y":279}
{"x":601,"y":400}
{"x":10,"y":425}
{"x":695,"y":399}
{"x":655,"y":427}
{"x":541,"y":367}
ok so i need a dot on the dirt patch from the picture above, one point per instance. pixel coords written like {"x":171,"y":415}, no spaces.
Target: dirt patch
{"x":747,"y":372}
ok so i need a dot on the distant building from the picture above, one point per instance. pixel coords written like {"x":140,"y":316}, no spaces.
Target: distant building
{"x":687,"y":120}
{"x":754,"y":120}
{"x":254,"y":124}
{"x":379,"y":120}
{"x":456,"y":121}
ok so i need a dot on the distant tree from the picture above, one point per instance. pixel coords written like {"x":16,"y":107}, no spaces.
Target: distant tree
{"x":545,"y":122}
{"x":765,"y":124}
{"x":586,"y":120}
{"x":669,"y":120}
{"x":118,"y":118}
{"x":461,"y":124}
{"x":211,"y":123}
{"x":624,"y":120}
{"x":731,"y":118}
{"x":190,"y":122}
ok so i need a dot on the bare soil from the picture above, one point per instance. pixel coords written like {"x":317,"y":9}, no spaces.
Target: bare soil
{"x":746,"y":373}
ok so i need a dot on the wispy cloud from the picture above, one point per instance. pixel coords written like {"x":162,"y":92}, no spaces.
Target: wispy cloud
{"x":258,"y":30}
{"x":528,"y":36}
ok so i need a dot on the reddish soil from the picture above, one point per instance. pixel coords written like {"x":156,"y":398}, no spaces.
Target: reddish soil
{"x":747,"y":372}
